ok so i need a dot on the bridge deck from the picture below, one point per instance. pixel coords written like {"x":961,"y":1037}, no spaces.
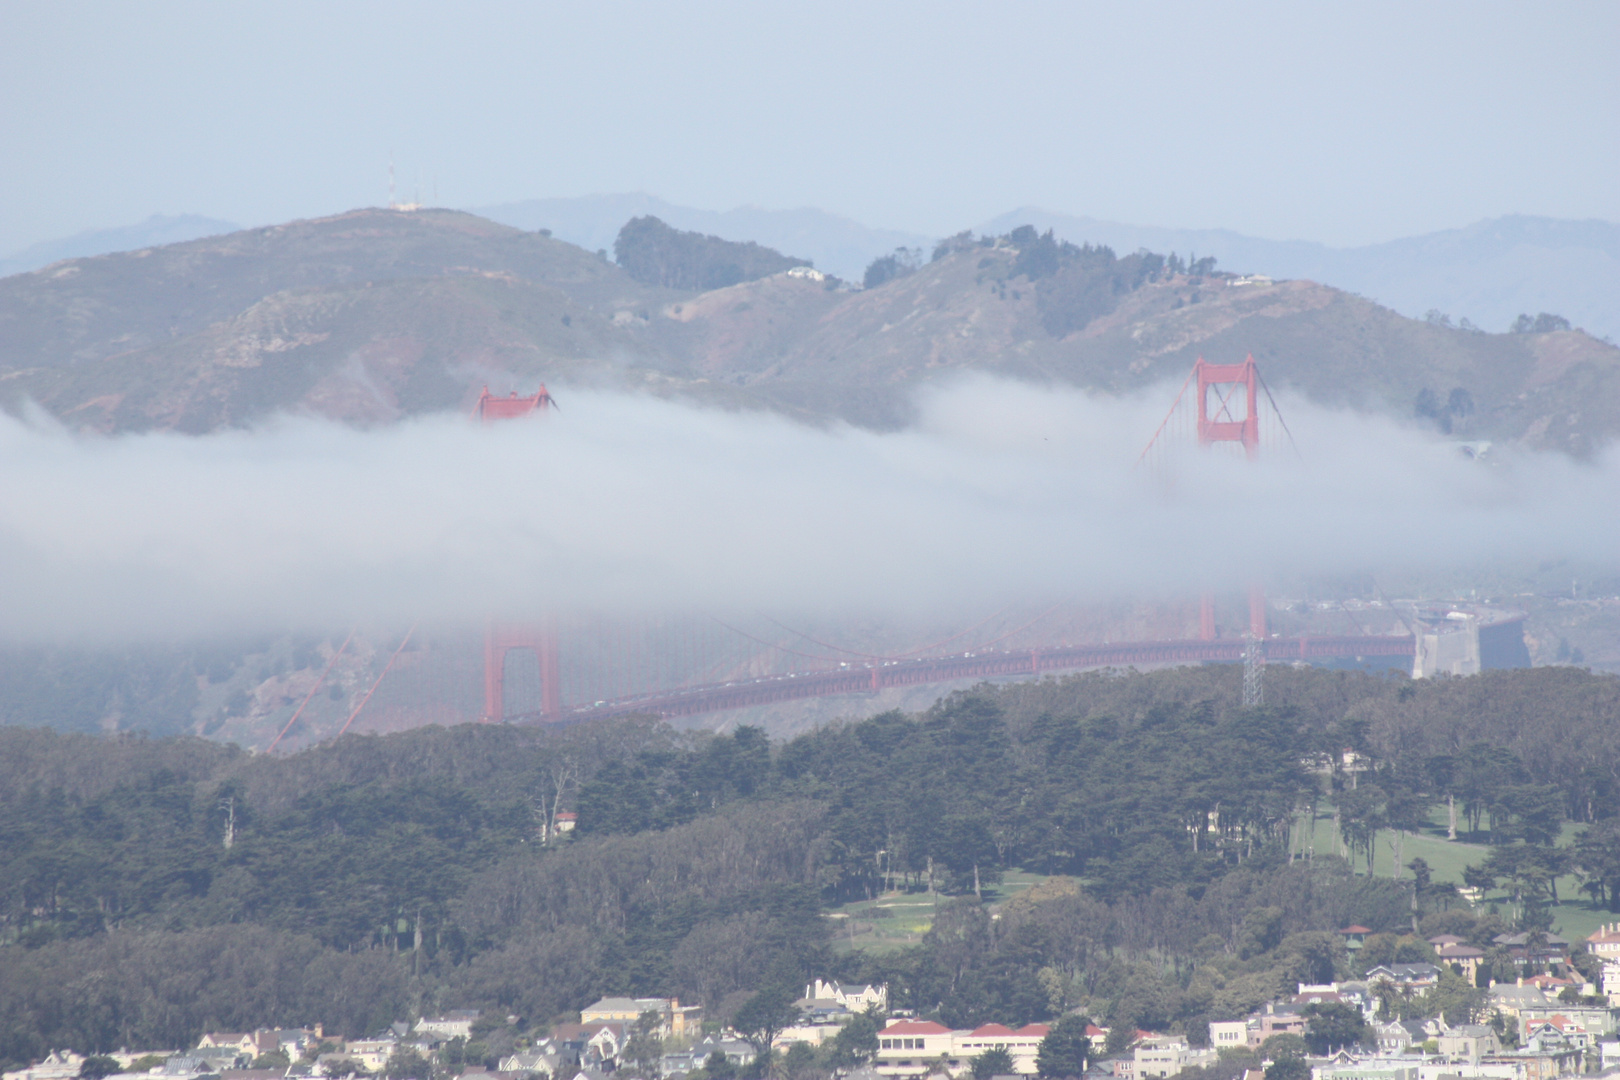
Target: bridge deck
{"x":862,"y":678}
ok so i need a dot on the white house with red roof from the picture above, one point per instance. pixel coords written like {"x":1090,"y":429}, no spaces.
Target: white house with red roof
{"x":913,"y":1048}
{"x":920,"y":1047}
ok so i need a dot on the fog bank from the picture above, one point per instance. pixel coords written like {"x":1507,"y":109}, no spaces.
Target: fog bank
{"x":620,"y":504}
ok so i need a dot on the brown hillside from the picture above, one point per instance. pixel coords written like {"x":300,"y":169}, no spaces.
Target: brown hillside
{"x":968,"y":312}
{"x":86,"y":309}
{"x":377,"y":314}
{"x":364,"y":316}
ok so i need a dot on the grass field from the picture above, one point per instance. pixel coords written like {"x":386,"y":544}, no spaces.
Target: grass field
{"x":897,"y":919}
{"x":1574,"y":918}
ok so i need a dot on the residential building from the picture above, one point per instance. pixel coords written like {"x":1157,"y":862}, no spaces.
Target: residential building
{"x":1462,"y":1070}
{"x":1393,"y":1036}
{"x":1367,"y":1070}
{"x":58,"y":1065}
{"x":1163,"y":1056}
{"x":1511,"y":999}
{"x":913,"y":1047}
{"x":242,"y":1042}
{"x":1538,"y":1064}
{"x":675,"y":1020}
{"x":1527,"y":949}
{"x":1469,"y":1042}
{"x":372,"y":1053}
{"x":907,"y":1047}
{"x":1021,"y":1045}
{"x":679,"y":1063}
{"x":456,"y":1024}
{"x":856,"y":997}
{"x":1604,"y":943}
{"x":1319,"y":995}
{"x":1596,"y":1019}
{"x":1464,"y":959}
{"x":1405,"y":976}
{"x":1609,"y":1054}
{"x":542,"y":1058}
{"x":809,"y":1034}
{"x":1227,"y":1034}
{"x":1351,"y":992}
{"x":201,"y":1061}
{"x":1279,"y":1019}
{"x":1554,"y":1033}
{"x":591,"y":1045}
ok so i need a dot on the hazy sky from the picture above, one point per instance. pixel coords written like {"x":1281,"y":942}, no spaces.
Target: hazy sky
{"x":1349,"y":123}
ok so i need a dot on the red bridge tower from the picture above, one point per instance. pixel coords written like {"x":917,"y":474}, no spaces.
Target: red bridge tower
{"x":1229,"y":411}
{"x":502,"y":638}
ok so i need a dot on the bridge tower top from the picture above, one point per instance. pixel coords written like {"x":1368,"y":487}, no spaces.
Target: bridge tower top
{"x":491,"y":408}
{"x":1229,"y":404}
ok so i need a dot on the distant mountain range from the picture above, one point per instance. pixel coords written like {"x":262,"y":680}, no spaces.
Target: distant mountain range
{"x":1489,"y":273}
{"x":377,"y":314}
{"x":154,"y":231}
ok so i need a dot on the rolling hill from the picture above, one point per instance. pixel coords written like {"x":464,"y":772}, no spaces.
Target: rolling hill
{"x":1488,"y":272}
{"x":376,"y":314}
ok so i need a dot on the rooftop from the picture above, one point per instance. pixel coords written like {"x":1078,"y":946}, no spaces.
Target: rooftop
{"x":916,"y":1027}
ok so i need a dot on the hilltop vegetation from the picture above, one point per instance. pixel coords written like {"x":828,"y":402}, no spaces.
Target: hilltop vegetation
{"x":375,"y":314}
{"x":143,"y":878}
{"x":655,"y":254}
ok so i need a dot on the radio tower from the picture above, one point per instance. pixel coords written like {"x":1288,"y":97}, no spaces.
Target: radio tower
{"x":1254,"y":671}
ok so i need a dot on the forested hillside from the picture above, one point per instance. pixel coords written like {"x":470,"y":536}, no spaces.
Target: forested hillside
{"x":150,"y":888}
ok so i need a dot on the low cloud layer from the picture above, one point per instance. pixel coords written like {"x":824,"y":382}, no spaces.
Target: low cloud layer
{"x":621,"y":504}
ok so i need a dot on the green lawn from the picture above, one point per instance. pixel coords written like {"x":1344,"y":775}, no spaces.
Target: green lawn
{"x":906,"y":916}
{"x":1574,"y":918}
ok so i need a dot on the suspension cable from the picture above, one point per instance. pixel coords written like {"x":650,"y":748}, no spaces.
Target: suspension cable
{"x":312,"y":690}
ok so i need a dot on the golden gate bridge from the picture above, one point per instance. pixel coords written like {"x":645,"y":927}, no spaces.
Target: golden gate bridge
{"x":557,"y":670}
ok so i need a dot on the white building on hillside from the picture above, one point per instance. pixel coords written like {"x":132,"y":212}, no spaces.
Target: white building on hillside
{"x":456,"y":1024}
{"x":856,"y":997}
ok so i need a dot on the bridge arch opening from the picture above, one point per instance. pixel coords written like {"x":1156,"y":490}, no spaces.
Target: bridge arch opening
{"x":522,"y":685}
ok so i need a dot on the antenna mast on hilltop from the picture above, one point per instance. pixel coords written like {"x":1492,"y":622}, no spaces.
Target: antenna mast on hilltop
{"x":393,"y":201}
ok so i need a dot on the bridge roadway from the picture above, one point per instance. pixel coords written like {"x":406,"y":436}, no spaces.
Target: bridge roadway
{"x":864,"y":678}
